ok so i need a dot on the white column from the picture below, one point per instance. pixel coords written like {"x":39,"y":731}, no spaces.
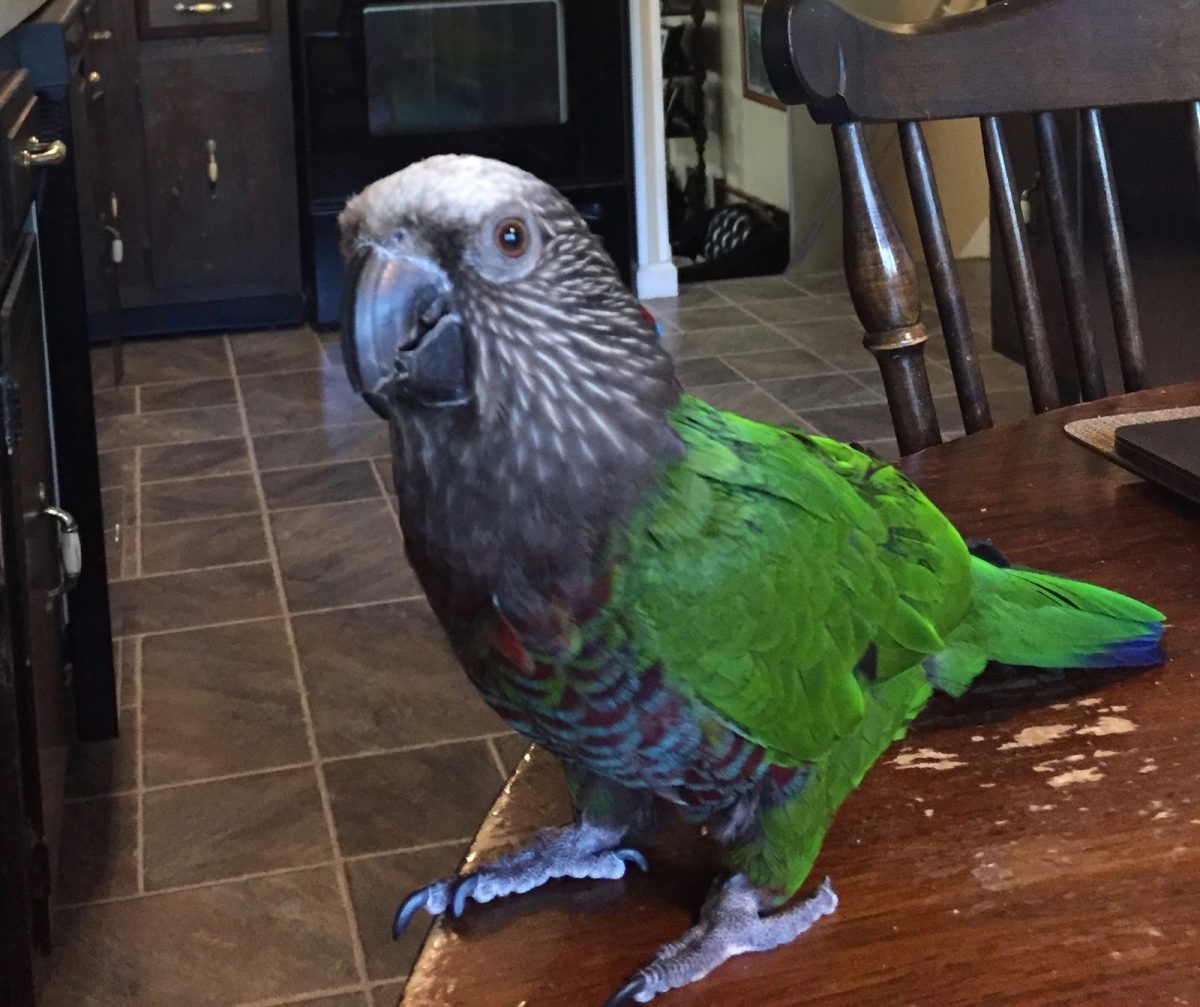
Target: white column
{"x":655,"y":274}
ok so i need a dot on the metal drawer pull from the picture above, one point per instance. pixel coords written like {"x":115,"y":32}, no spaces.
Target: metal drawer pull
{"x":37,"y":154}
{"x":70,"y":551}
{"x":204,"y":8}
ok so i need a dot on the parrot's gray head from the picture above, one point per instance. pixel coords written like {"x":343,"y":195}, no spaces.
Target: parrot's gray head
{"x":529,"y":393}
{"x":475,"y":286}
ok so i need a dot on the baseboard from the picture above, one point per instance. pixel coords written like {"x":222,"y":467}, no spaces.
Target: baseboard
{"x":657,"y":279}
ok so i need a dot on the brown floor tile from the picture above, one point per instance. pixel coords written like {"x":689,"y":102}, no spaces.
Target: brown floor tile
{"x":126,"y":663}
{"x":854,"y":423}
{"x":224,"y":829}
{"x":820,"y":391}
{"x":711,"y":316}
{"x":776,"y":364}
{"x":192,"y":461}
{"x":333,"y":444}
{"x":117,"y":506}
{"x":99,"y":850}
{"x":320,"y":484}
{"x":387,"y":995}
{"x":186,"y":600}
{"x":822,"y":284}
{"x":281,"y":350}
{"x":301,"y":399}
{"x":105,"y":767}
{"x":750,"y":289}
{"x":342,"y":554}
{"x":377,"y":886}
{"x":739,"y":339}
{"x":193,"y":545}
{"x":116,"y":467}
{"x":705,"y":371}
{"x":187,"y":394}
{"x":747,"y":400}
{"x":205,"y":947}
{"x":837,"y":341}
{"x":119,"y":543}
{"x":447,"y":790}
{"x":189,"y":499}
{"x":171,"y":427}
{"x":115,"y":401}
{"x":512,"y":748}
{"x":383,"y":677}
{"x":792,"y":310}
{"x":220,"y":701}
{"x":148,"y":360}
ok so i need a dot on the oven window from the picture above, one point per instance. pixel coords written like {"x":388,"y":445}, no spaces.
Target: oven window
{"x":448,"y":65}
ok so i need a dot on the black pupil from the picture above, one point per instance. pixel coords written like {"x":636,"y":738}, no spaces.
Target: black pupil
{"x":511,"y":237}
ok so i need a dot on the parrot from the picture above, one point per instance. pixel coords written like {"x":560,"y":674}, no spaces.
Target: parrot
{"x":691,"y":610}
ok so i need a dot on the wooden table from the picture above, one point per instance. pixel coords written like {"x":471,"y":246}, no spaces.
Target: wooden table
{"x":1036,"y":843}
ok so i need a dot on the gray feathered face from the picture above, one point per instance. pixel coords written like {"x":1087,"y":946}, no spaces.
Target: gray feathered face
{"x":475,"y":286}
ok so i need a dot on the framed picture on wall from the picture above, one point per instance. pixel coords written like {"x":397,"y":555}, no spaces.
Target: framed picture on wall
{"x":755,"y":84}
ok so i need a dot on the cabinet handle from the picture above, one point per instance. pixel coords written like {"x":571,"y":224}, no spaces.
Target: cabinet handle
{"x":213,"y":168}
{"x":204,"y":8}
{"x":37,"y":154}
{"x":69,"y":548}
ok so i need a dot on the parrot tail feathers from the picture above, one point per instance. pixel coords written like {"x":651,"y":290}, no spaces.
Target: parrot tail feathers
{"x":1024,"y":617}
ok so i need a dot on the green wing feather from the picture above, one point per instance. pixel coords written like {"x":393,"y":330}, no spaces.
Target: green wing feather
{"x":767,"y":564}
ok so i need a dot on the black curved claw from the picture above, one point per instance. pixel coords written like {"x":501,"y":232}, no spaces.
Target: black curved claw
{"x":626,"y":994}
{"x":408,"y":909}
{"x":463,"y":891}
{"x":631,"y":856}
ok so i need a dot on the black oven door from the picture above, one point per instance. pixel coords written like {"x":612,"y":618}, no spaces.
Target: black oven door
{"x":346,"y":43}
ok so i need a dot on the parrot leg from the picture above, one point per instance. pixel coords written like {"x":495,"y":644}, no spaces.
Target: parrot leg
{"x":731,"y":923}
{"x":583,"y":850}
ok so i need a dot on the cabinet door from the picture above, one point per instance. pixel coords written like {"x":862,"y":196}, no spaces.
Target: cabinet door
{"x":220,"y":111}
{"x":31,"y":566}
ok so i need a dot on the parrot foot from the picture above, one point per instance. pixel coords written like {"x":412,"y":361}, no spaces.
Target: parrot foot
{"x":730,"y":924}
{"x":583,"y":850}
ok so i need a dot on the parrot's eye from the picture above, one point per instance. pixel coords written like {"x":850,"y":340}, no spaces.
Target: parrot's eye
{"x":512,"y":238}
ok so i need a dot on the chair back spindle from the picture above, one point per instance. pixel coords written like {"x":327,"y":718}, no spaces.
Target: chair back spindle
{"x":1067,"y":247}
{"x":1031,"y":323}
{"x":943,"y":274}
{"x":1117,"y":270}
{"x":885,"y":291}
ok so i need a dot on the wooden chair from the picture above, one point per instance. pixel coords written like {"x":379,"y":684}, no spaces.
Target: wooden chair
{"x":1036,"y":57}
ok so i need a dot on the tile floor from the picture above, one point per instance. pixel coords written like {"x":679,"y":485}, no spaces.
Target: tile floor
{"x":298,"y":749}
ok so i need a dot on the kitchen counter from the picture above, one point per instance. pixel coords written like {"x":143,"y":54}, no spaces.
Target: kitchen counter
{"x":13,"y":12}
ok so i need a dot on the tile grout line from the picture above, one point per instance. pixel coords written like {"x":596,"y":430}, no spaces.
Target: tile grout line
{"x":496,"y":760}
{"x":137,"y":513}
{"x":263,"y":618}
{"x":274,"y":872}
{"x":419,"y":746}
{"x":393,"y":506}
{"x":343,"y":883}
{"x":285,"y":767}
{"x":140,"y":768}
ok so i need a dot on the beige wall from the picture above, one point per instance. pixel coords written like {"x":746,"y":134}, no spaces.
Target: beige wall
{"x":955,"y":149}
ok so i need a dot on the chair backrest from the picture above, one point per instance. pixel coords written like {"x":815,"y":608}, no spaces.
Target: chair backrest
{"x":1035,"y":57}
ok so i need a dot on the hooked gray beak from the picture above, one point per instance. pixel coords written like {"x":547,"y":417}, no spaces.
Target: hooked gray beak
{"x":400,"y":340}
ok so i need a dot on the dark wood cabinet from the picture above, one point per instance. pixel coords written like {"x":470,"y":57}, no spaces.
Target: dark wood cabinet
{"x":193,"y":169}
